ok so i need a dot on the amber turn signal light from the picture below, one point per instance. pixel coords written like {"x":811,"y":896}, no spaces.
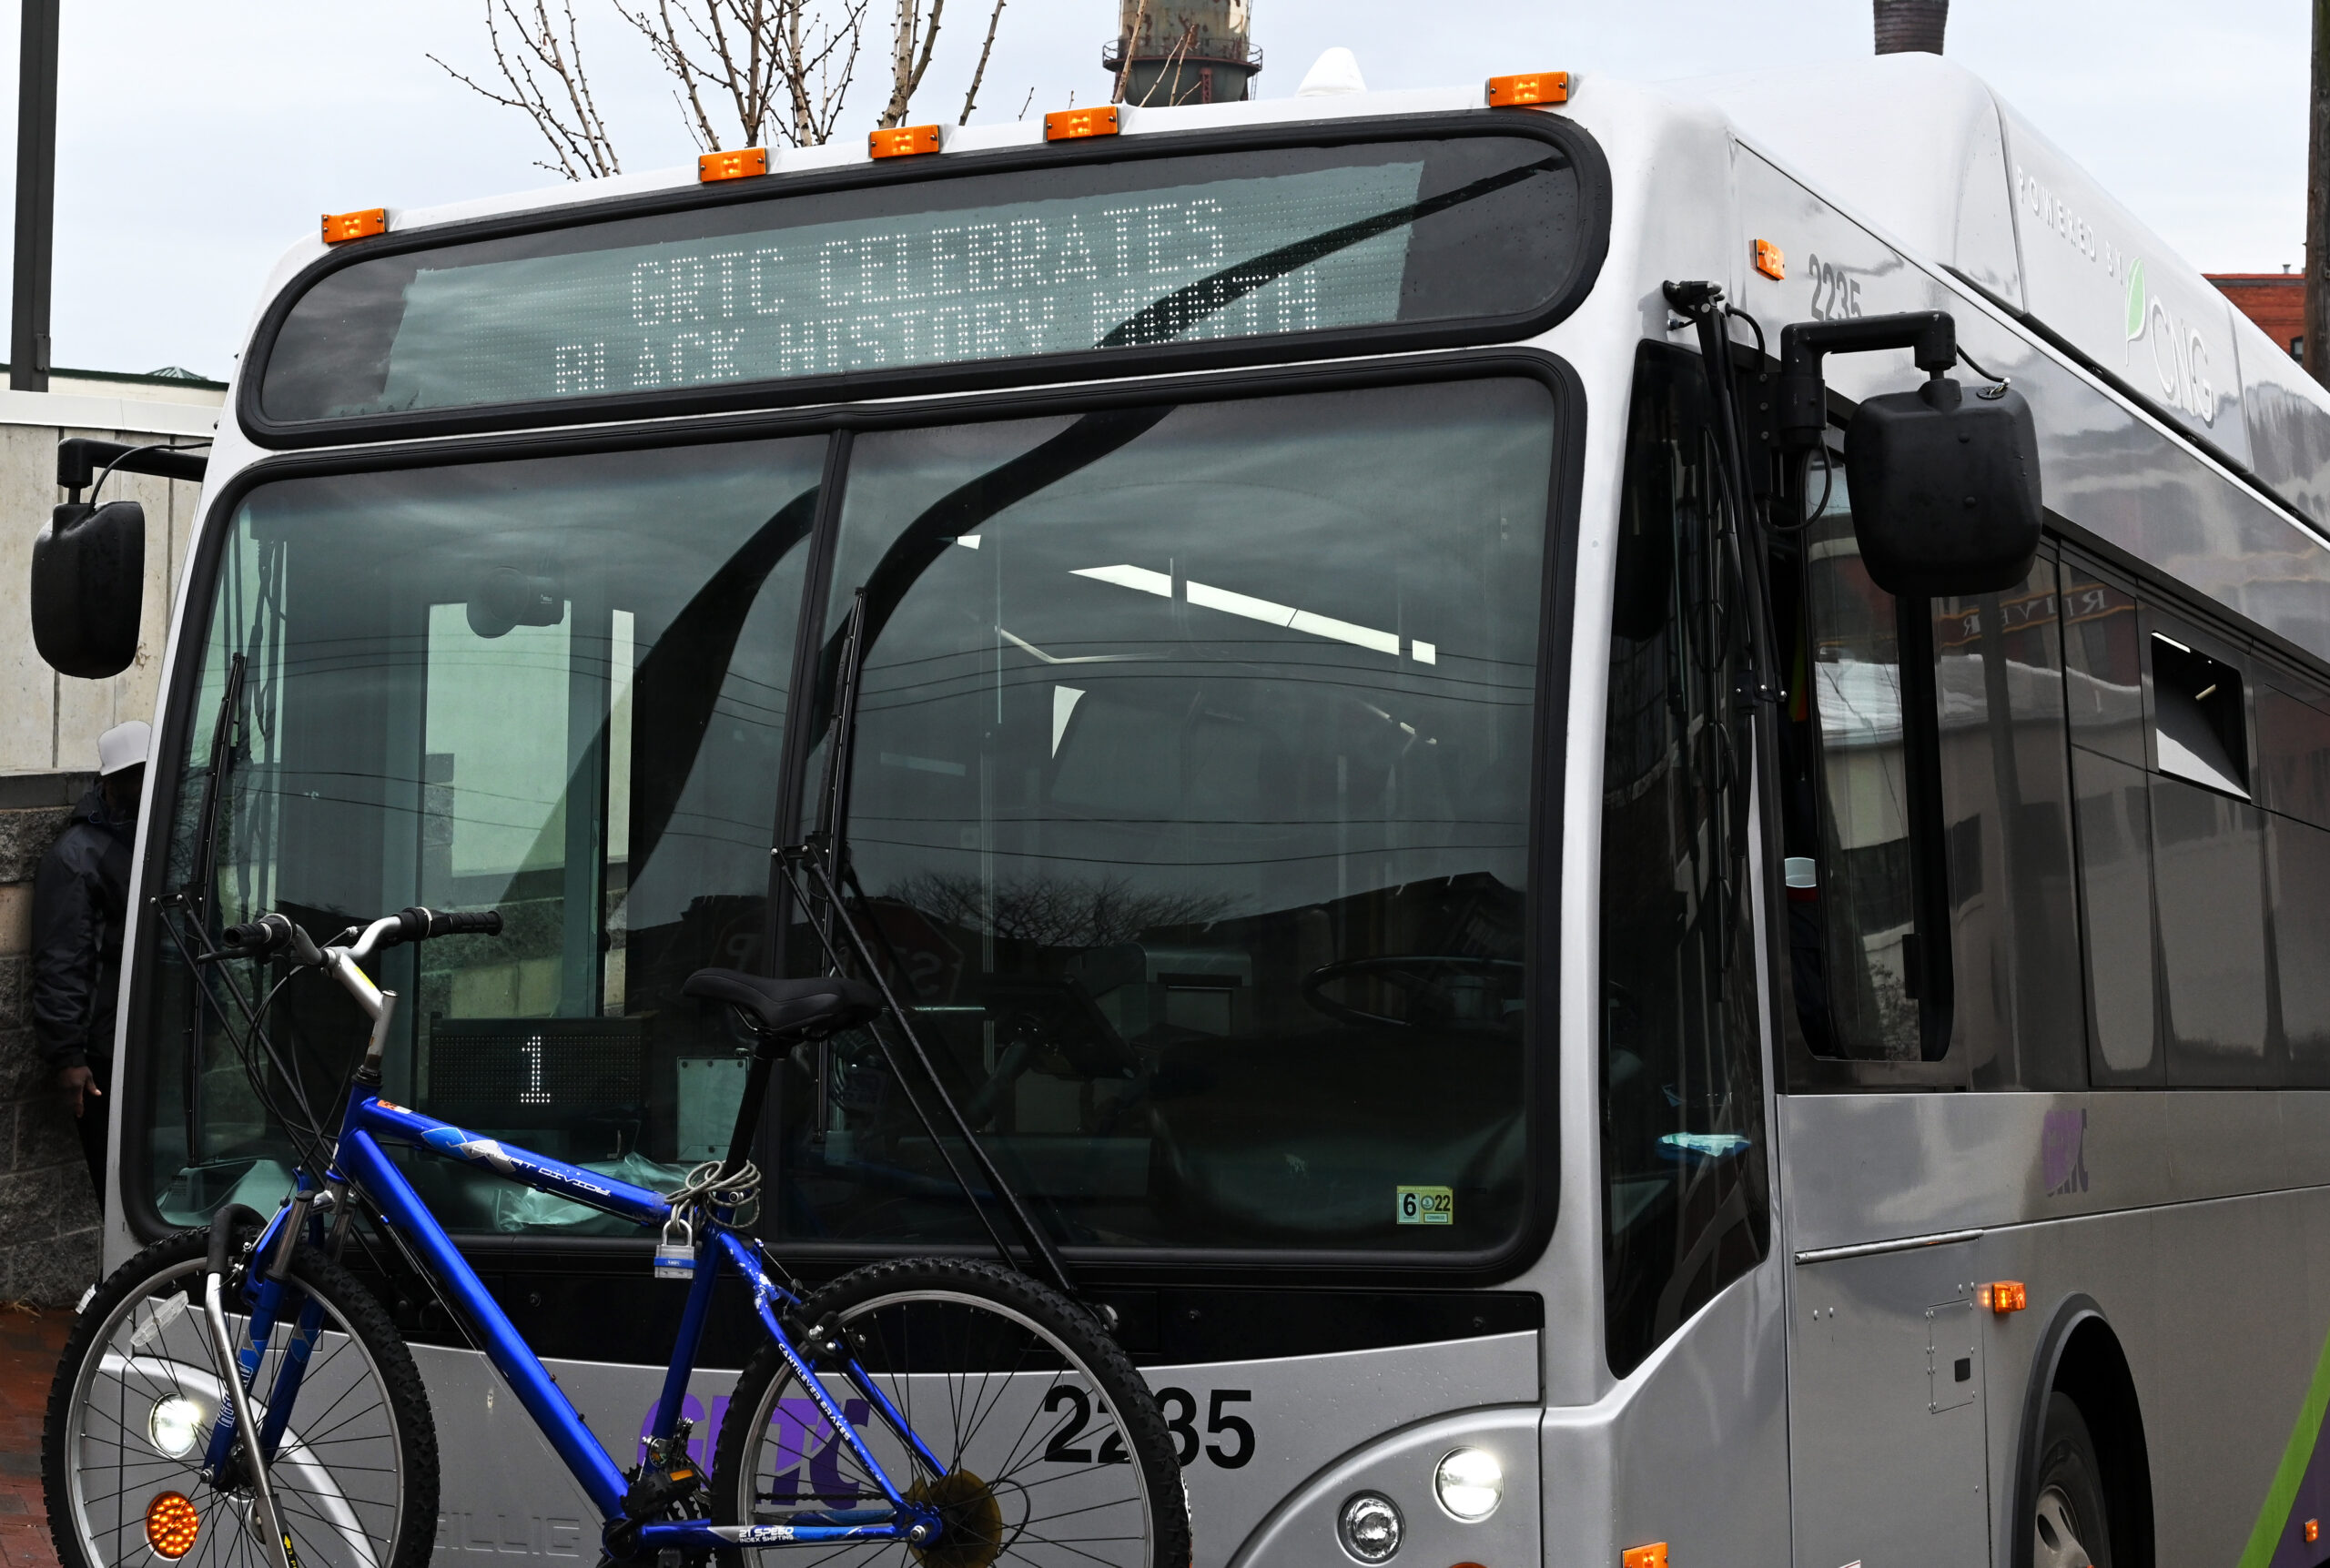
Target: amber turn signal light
{"x":903,"y":141}
{"x":2004,"y":1295}
{"x":2313,"y":1531}
{"x":1073,"y":125}
{"x":1651,"y":1556}
{"x":1533,"y":88}
{"x":1770,"y":260}
{"x":742,"y":164}
{"x":339,"y":227}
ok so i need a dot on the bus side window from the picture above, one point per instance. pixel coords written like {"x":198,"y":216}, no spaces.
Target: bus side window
{"x":2294,"y":786}
{"x":1685,"y":1179}
{"x":1871,"y":976}
{"x":2017,"y":1004}
{"x":2103,"y":689}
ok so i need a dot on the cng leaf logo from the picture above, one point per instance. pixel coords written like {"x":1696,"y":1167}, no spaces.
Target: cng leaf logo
{"x":2180,"y":354}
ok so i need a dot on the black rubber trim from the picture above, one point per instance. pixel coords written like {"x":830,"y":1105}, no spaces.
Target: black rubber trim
{"x":1564,"y":294}
{"x":608,"y":1308}
{"x":1099,"y":1266}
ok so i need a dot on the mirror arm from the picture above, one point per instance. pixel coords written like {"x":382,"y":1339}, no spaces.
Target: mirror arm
{"x":1930,"y":336}
{"x":79,"y":458}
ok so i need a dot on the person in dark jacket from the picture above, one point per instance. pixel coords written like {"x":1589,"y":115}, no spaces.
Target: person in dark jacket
{"x":80,"y":903}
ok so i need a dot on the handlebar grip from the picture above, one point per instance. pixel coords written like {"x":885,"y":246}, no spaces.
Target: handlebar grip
{"x":416,"y":923}
{"x":250,"y":935}
{"x":469,"y":923}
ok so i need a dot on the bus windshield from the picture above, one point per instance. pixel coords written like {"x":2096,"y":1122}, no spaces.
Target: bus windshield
{"x":1192,"y":800}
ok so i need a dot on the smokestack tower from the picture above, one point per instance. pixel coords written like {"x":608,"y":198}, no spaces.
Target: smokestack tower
{"x":1182,"y":51}
{"x":1910,"y":26}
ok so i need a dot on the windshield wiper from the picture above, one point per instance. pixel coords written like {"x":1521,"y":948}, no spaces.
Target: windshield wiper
{"x":222,"y":759}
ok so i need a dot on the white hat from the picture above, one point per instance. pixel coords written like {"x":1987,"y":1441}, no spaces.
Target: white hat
{"x":123,"y":746}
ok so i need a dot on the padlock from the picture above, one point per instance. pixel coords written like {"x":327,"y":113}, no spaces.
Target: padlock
{"x":675,"y":1255}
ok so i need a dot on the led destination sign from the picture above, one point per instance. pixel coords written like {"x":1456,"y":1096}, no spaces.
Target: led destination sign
{"x":990,"y":266}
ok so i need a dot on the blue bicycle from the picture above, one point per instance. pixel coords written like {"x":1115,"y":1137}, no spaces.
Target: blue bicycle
{"x":236,"y":1396}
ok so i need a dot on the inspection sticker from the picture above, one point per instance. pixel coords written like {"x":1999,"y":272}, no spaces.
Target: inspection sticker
{"x":1424,"y":1205}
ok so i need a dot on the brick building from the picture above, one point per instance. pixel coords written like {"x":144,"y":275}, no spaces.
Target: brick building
{"x":2275,"y":301}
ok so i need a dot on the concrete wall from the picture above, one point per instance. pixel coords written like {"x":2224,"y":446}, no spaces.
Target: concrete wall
{"x":49,"y":726}
{"x":49,"y":722}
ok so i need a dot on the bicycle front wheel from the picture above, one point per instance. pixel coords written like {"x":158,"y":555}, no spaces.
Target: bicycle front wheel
{"x":1050,"y":1450}
{"x":131,"y":1412}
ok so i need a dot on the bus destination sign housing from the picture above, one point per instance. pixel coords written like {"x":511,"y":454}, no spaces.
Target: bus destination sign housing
{"x":803,"y":294}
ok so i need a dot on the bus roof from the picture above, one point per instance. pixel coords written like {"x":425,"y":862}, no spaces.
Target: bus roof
{"x":1914,"y":147}
{"x":1923,"y":150}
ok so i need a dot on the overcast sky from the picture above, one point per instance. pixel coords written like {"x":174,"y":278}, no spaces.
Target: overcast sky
{"x":195,"y":141}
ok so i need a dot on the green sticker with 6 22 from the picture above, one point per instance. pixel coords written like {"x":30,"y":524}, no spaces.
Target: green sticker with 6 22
{"x":1424,"y":1205}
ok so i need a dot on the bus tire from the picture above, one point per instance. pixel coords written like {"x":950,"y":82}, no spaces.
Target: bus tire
{"x":2069,"y":1526}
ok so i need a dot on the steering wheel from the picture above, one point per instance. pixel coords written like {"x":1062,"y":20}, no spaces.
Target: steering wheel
{"x":1444,"y":990}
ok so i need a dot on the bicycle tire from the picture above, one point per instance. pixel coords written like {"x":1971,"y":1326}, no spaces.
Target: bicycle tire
{"x":147,"y":1320}
{"x":1032,"y":1370}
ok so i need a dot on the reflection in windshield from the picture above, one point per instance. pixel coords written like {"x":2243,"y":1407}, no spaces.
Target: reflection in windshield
{"x":1191,"y":790}
{"x":556,"y":688}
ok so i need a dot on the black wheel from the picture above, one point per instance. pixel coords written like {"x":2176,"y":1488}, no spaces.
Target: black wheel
{"x":1052,"y":1448}
{"x":131,"y":1411}
{"x":2068,"y":1526}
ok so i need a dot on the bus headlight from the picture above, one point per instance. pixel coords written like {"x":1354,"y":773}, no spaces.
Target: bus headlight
{"x":1370,"y":1527}
{"x":173,"y":1424}
{"x":1470,"y":1483}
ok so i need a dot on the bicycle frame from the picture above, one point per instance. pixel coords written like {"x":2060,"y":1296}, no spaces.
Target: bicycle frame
{"x":361,"y":1163}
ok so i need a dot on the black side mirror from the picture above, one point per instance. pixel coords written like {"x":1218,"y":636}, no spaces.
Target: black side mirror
{"x":89,"y":587}
{"x":1945,"y":489}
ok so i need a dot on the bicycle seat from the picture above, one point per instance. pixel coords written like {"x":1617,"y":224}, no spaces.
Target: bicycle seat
{"x":788,"y":1006}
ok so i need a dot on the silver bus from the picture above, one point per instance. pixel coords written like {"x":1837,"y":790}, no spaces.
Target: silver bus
{"x":1845,"y":1098}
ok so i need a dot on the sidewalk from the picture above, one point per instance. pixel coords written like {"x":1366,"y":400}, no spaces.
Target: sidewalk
{"x":29,"y":1346}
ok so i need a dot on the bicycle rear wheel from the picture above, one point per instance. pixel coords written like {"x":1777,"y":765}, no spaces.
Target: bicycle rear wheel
{"x":1053,"y":1452}
{"x":131,"y":1411}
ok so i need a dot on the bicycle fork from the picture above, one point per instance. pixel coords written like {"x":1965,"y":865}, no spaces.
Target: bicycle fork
{"x":244,"y":1431}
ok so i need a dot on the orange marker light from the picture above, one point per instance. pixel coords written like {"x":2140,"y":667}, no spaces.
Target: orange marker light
{"x":171,"y":1525}
{"x":1769,"y":260}
{"x":2313,"y":1531}
{"x":903,"y":141}
{"x":1073,"y":125}
{"x":2004,"y":1295}
{"x":339,"y":227}
{"x":742,"y":164}
{"x":1536,"y":87}
{"x":1651,"y":1556}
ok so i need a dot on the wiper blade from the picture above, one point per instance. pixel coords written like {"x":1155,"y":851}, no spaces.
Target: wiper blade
{"x":222,"y":757}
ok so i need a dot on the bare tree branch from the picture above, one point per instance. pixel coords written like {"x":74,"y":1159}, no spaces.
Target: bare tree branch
{"x":1172,"y":67}
{"x":1132,"y":42}
{"x":979,"y":75}
{"x":577,"y":135}
{"x":751,"y":52}
{"x":908,"y":65}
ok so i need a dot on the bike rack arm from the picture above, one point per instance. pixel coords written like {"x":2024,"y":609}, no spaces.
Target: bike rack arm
{"x":1038,"y":1243}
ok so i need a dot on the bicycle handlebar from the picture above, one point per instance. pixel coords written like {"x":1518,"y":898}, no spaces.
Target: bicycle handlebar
{"x":271,"y":934}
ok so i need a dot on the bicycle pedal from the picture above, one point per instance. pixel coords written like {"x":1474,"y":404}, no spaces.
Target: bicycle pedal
{"x":652,"y":1489}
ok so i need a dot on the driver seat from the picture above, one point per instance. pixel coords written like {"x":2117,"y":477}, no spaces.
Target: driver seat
{"x":788,"y":1008}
